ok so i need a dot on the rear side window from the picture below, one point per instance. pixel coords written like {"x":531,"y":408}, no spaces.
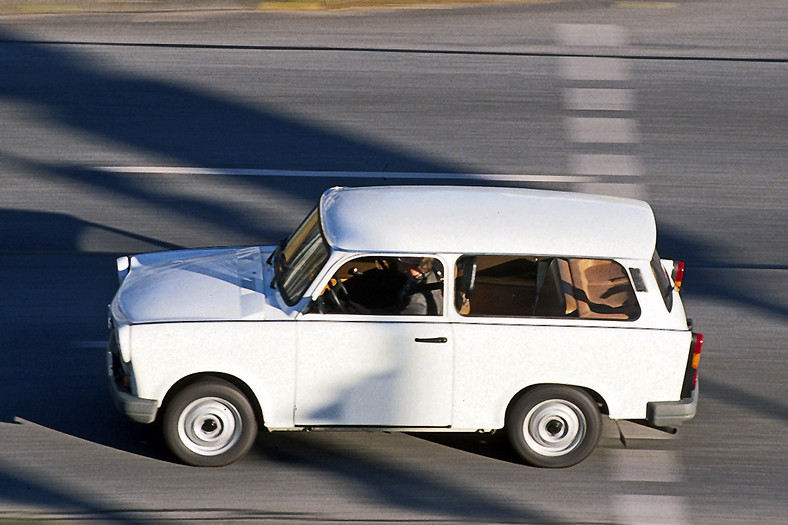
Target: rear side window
{"x":516,"y":286}
{"x":663,"y":281}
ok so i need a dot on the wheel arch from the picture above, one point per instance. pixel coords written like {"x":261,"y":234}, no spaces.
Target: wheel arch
{"x":600,"y":401}
{"x":202,"y":376}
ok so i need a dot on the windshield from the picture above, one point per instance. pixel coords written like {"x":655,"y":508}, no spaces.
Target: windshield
{"x":300,"y":259}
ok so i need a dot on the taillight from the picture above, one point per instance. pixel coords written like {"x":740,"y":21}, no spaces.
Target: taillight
{"x":697,"y":346}
{"x":678,"y":274}
{"x":693,"y":360}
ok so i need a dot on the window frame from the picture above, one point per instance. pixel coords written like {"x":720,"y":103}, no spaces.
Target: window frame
{"x":335,"y":268}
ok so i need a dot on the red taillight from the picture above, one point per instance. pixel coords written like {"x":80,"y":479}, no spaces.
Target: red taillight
{"x":678,"y":274}
{"x":696,"y":349}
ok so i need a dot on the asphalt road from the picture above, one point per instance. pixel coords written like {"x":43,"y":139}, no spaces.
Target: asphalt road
{"x":147,"y":131}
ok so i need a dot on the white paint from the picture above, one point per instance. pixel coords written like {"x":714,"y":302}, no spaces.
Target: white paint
{"x":591,"y":35}
{"x":602,"y":130}
{"x":624,"y":190}
{"x":661,"y":466}
{"x":598,"y":99}
{"x":594,"y":68}
{"x":602,"y":164}
{"x":635,"y":509}
{"x":486,"y":220}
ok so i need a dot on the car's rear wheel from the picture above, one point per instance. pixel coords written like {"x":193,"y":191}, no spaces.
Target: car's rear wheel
{"x":554,"y":426}
{"x":209,"y":424}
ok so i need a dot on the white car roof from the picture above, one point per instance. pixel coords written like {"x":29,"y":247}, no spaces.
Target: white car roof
{"x":486,"y":220}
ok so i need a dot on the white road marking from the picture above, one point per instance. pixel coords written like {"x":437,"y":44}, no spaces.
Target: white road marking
{"x":661,"y":466}
{"x":638,"y":509}
{"x":601,"y":164}
{"x":591,"y":35}
{"x":627,"y":190}
{"x":596,"y":99}
{"x":602,"y":130}
{"x":593,"y":68}
{"x":194,"y":170}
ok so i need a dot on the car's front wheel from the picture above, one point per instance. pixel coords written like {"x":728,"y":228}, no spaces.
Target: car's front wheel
{"x":554,"y":426}
{"x":209,"y":424}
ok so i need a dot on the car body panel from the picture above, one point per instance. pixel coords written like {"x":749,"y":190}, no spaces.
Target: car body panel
{"x":185,"y":314}
{"x":486,"y":220}
{"x":373,"y":371}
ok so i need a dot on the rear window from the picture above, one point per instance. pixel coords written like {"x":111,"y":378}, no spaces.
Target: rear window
{"x":663,"y":281}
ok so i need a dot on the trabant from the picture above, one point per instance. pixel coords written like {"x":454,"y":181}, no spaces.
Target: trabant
{"x":412,"y":308}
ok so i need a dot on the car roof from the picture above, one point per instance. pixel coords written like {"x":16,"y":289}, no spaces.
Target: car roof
{"x":486,"y":220}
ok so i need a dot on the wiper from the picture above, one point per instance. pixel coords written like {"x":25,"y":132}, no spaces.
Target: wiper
{"x":278,"y":260}
{"x":278,"y":249}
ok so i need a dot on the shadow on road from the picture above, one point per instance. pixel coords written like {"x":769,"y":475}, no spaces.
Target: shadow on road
{"x":49,"y":378}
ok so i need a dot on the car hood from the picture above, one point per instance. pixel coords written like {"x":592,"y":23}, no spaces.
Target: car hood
{"x":193,"y":285}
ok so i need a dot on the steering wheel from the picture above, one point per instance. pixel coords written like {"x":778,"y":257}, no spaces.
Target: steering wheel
{"x":332,"y":293}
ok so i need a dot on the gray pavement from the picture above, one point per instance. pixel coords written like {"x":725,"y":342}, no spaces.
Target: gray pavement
{"x":685,"y":106}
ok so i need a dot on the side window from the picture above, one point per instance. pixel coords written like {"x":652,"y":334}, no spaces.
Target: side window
{"x":513,"y":286}
{"x":495,"y":285}
{"x":384,"y":286}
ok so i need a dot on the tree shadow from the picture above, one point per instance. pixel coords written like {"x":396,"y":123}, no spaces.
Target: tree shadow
{"x":48,"y":380}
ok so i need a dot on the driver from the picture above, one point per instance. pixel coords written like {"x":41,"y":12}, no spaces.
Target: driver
{"x":422,"y":292}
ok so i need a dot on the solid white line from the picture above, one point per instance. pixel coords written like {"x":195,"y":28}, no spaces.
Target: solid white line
{"x":490,"y":177}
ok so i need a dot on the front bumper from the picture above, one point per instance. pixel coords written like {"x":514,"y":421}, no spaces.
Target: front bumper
{"x":671,"y":414}
{"x":131,"y":406}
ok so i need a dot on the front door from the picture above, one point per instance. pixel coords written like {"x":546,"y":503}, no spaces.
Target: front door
{"x":376,"y":349}
{"x":373,"y":372}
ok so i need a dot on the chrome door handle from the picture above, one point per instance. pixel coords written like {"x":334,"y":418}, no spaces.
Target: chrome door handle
{"x":432,"y":339}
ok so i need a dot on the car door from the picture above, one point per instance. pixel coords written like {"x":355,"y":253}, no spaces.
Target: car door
{"x":373,"y":367}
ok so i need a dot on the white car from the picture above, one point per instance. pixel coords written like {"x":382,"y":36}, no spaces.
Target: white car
{"x":409,"y":308}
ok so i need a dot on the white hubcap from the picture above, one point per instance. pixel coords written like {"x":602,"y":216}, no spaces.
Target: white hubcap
{"x":554,"y":427}
{"x":209,"y":426}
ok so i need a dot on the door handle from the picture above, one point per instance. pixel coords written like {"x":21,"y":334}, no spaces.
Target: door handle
{"x":432,"y":339}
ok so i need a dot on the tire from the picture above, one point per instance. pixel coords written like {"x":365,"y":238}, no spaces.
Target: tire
{"x":554,"y":426}
{"x":209,"y":424}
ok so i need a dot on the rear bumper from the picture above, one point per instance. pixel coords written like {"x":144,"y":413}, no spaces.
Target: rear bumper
{"x":671,"y":414}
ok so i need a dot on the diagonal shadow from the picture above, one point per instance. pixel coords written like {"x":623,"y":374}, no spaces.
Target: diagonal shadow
{"x":396,"y":485}
{"x":172,"y":121}
{"x":201,"y":130}
{"x":198,"y":130}
{"x":700,"y":255}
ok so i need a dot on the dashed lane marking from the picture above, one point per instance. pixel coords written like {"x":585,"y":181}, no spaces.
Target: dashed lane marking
{"x":602,"y":130}
{"x":640,"y":509}
{"x":591,"y":35}
{"x":596,"y":99}
{"x":603,"y":164}
{"x":661,"y":466}
{"x":595,"y":68}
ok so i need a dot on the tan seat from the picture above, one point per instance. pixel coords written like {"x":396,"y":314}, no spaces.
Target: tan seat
{"x":602,"y":289}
